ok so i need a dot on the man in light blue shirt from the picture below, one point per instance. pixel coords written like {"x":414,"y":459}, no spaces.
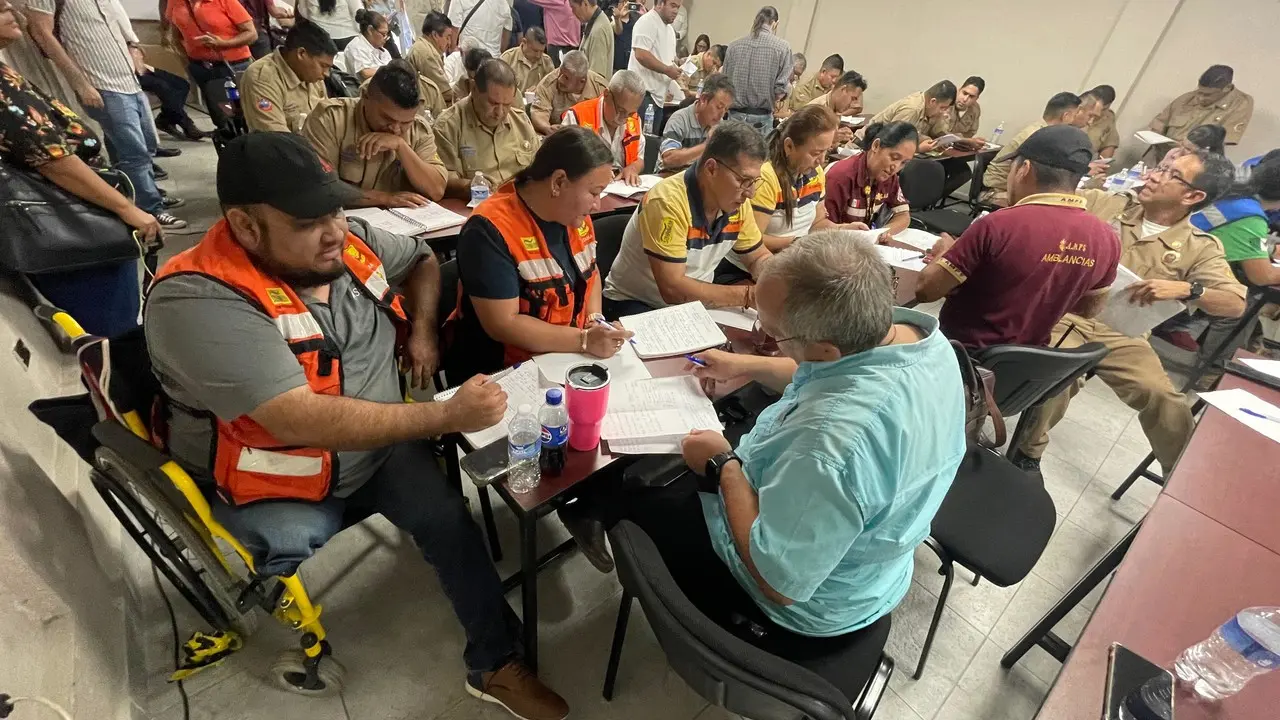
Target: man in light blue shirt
{"x":812,"y":530}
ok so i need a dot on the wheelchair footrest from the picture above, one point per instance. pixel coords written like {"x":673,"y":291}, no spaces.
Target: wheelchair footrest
{"x":205,"y":650}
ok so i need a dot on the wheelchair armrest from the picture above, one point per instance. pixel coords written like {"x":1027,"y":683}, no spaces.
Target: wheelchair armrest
{"x":132,"y":449}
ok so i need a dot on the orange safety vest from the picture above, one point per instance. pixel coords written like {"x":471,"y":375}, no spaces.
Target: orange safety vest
{"x":545,"y":291}
{"x":590,"y":116}
{"x":248,"y":463}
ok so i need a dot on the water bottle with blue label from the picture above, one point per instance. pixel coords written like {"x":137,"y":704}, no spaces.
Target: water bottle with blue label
{"x":479,"y":189}
{"x":1246,"y":646}
{"x":648,"y":120}
{"x":555,"y":432}
{"x":524,"y":445}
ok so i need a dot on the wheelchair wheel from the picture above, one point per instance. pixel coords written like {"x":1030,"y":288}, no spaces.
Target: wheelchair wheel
{"x":170,"y":541}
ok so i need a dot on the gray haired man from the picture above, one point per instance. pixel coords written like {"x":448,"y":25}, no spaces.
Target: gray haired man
{"x":614,"y":117}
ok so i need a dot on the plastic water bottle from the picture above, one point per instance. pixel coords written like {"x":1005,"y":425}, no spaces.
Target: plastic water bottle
{"x":524,"y":444}
{"x":430,"y":118}
{"x":699,"y":90}
{"x":554,"y":419}
{"x":233,"y":92}
{"x":479,"y":188}
{"x":1133,"y":176}
{"x":995,"y":135}
{"x":1115,"y":183}
{"x":648,"y":120}
{"x":1244,"y":647}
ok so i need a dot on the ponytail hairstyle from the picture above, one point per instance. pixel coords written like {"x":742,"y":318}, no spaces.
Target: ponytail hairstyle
{"x":803,"y":124}
{"x":366,"y":19}
{"x":573,"y":149}
{"x":890,"y":134}
{"x":767,"y":14}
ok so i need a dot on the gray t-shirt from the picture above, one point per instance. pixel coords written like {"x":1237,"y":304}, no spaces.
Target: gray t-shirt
{"x":682,"y":131}
{"x":213,"y":351}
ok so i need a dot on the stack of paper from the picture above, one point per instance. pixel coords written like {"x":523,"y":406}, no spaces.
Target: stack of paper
{"x":409,"y":221}
{"x":854,"y":120}
{"x":1130,"y":318}
{"x":522,"y":388}
{"x":621,"y":189}
{"x":657,"y":411}
{"x":1270,"y":367}
{"x":625,"y":366}
{"x":675,"y":330}
{"x":920,"y":239}
{"x":1151,"y":137}
{"x":901,"y":258}
{"x":741,"y":318}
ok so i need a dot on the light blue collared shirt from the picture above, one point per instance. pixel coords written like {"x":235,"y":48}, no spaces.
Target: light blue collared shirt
{"x":850,"y":466}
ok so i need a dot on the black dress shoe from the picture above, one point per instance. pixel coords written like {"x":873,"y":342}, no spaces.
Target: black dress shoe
{"x":589,"y":534}
{"x":167,"y":152}
{"x":171,"y":129}
{"x":193,"y":133}
{"x":159,"y":172}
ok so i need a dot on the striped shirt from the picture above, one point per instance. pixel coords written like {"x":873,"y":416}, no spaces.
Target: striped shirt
{"x":93,"y":41}
{"x":760,"y":68}
{"x":683,"y":131}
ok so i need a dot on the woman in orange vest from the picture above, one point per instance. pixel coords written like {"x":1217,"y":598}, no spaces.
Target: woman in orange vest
{"x":527,"y":262}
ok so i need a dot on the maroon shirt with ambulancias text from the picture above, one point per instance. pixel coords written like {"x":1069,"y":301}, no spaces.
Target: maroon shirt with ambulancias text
{"x":1022,"y":268}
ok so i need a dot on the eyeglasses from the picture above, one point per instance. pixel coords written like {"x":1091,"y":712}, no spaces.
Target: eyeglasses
{"x":745,"y":183}
{"x":382,"y":33}
{"x":1169,"y":172}
{"x":763,"y":343}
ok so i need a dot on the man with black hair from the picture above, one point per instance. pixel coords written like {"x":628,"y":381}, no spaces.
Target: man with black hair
{"x":1102,"y":131}
{"x":379,"y":142}
{"x":820,"y":83}
{"x":1176,"y":261}
{"x":844,"y":99}
{"x":529,"y":59}
{"x":929,"y":111}
{"x":1013,"y":274}
{"x":685,"y":136}
{"x":966,"y":114}
{"x":1060,"y":110}
{"x":426,"y":55}
{"x":472,"y":59}
{"x":1215,"y":101}
{"x":486,"y":132}
{"x":281,"y":89}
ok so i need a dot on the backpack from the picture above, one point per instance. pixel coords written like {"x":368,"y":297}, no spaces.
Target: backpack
{"x":979,"y":401}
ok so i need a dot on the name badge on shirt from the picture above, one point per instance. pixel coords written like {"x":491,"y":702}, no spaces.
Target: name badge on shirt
{"x":467,"y":151}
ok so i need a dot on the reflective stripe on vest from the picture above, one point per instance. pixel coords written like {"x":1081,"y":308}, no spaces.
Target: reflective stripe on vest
{"x":545,"y":292}
{"x":590,"y":114}
{"x":248,"y":462}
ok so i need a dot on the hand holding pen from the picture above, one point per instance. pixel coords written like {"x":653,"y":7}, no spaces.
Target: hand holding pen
{"x":602,"y":339}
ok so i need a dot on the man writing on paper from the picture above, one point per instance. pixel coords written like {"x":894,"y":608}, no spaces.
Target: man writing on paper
{"x":379,"y":143}
{"x":613,"y":117}
{"x":1062,"y":109}
{"x":485,"y":132}
{"x":845,"y":98}
{"x":274,"y":340}
{"x":1176,"y":262}
{"x":805,"y":534}
{"x":562,"y":88}
{"x":1215,"y":101}
{"x":928,"y":111}
{"x":685,"y":136}
{"x":820,"y":83}
{"x":1013,"y":274}
{"x":687,"y":224}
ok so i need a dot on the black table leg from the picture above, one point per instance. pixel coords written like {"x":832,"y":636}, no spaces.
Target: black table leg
{"x":1042,"y":633}
{"x":529,"y":587}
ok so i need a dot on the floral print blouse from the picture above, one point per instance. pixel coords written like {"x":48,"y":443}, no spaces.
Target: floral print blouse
{"x":35,"y":128}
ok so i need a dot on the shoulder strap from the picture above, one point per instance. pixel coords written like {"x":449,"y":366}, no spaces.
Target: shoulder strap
{"x":470,"y":15}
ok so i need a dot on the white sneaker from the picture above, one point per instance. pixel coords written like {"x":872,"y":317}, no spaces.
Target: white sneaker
{"x":173,"y":224}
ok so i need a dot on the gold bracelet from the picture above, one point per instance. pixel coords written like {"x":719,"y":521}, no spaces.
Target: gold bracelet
{"x":584,"y":340}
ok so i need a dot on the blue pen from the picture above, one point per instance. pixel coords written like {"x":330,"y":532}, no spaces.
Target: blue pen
{"x":695,"y":361}
{"x":1261,"y":416}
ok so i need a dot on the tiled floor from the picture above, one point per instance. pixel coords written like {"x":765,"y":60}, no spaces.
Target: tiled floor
{"x":393,"y":630}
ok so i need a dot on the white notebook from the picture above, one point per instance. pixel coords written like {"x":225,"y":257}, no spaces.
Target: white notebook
{"x":621,"y":189}
{"x":675,"y":330}
{"x":1129,"y":318}
{"x":920,"y":239}
{"x":1152,"y":137}
{"x":409,"y":221}
{"x":522,"y":387}
{"x":624,"y":366}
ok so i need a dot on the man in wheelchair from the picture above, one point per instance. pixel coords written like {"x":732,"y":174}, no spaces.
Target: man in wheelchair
{"x":275,"y":343}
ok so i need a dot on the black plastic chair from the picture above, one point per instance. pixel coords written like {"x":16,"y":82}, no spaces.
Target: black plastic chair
{"x":996,"y":520}
{"x":727,"y":671}
{"x":922,"y":182}
{"x":609,"y":230}
{"x":952,"y":221}
{"x":652,"y":144}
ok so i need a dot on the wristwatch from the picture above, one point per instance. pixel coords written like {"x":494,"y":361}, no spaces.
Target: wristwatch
{"x":717,"y":462}
{"x":1196,"y":291}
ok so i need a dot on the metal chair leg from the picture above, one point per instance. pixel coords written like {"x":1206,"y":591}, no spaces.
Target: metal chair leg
{"x":490,"y":528}
{"x":867,"y":703}
{"x":615,"y":652}
{"x":948,"y":572}
{"x":1140,"y":471}
{"x":1206,"y":361}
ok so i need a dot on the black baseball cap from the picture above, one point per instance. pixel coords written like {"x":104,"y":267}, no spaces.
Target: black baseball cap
{"x":1066,"y":147}
{"x":282,"y":170}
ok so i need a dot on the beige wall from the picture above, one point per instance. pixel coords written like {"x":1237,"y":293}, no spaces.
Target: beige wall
{"x":1150,"y":50}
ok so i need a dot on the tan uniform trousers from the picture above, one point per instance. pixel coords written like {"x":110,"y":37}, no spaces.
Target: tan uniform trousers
{"x":1134,"y":372}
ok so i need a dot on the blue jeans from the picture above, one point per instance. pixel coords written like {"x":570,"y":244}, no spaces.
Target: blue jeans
{"x":763,"y":123}
{"x":411,"y":492}
{"x":126,"y":124}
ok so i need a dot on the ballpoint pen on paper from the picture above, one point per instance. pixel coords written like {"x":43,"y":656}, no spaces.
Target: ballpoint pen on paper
{"x":1260,"y":415}
{"x":695,"y":361}
{"x":609,"y":325}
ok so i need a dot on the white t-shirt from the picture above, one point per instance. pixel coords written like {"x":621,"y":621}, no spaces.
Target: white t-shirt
{"x":340,"y":24}
{"x":360,"y":55}
{"x":486,"y":26}
{"x":614,"y":139}
{"x":653,"y":34}
{"x":1149,"y":228}
{"x":454,"y":70}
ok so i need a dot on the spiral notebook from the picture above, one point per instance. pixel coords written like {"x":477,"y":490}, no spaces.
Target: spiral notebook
{"x":409,"y":221}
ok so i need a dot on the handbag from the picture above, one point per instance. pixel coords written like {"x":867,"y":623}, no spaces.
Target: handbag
{"x":979,"y":401}
{"x":45,"y":229}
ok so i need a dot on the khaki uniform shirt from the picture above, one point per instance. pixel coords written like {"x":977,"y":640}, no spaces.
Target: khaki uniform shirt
{"x":468,"y":147}
{"x":804,"y":92}
{"x":462,"y":88}
{"x":1232,"y":112}
{"x":275,"y":100}
{"x":338,"y":123}
{"x":528,"y":75}
{"x":598,"y":43}
{"x":996,"y":178}
{"x":548,"y":97}
{"x":966,"y":125}
{"x":911,"y":109}
{"x":427,"y":60}
{"x":1179,"y":253}
{"x":1102,"y":132}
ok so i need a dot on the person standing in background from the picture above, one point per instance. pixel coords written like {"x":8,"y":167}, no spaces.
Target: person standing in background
{"x":625,"y":15}
{"x":93,"y":56}
{"x":681,"y":26}
{"x":653,"y":56}
{"x":564,"y":29}
{"x":1102,"y":132}
{"x":337,"y":17}
{"x":488,"y":27}
{"x":759,"y":66}
{"x":262,"y":11}
{"x":528,"y":14}
{"x":597,"y":35}
{"x":1215,"y":101}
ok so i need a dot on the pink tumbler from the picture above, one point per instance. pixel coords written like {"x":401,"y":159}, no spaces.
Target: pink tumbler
{"x":586,"y":393}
